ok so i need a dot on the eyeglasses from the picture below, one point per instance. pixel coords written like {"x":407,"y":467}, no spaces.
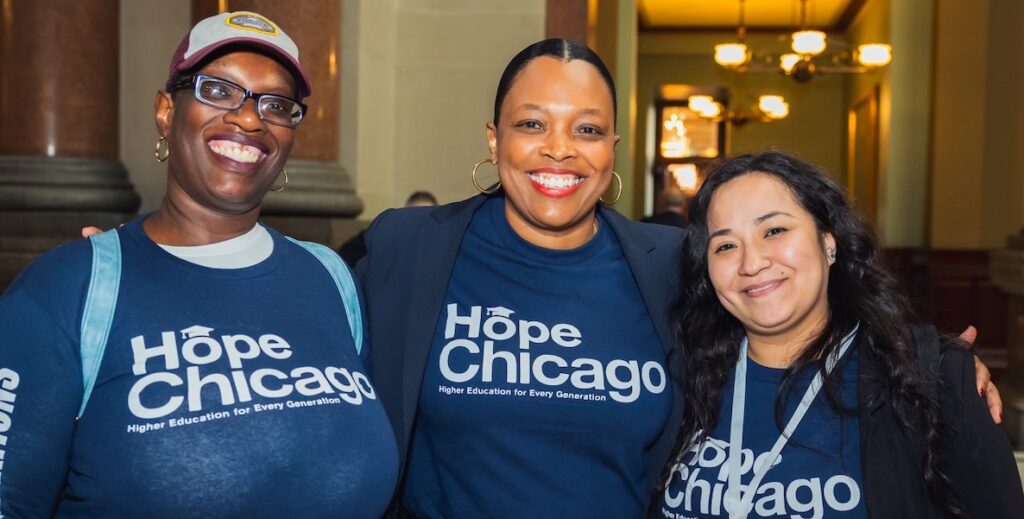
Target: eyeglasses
{"x":223,"y":94}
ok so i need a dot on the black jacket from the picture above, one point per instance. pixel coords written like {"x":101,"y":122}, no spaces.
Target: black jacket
{"x":411,"y":254}
{"x":975,"y":453}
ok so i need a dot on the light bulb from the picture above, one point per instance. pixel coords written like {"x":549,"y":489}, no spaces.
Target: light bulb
{"x":731,"y":55}
{"x":788,"y":61}
{"x":773,"y":106}
{"x":701,"y":104}
{"x":713,"y":111}
{"x":874,"y":54}
{"x":809,"y":43}
{"x":685,"y":177}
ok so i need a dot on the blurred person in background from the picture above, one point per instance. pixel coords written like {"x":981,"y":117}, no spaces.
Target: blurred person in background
{"x":354,"y":249}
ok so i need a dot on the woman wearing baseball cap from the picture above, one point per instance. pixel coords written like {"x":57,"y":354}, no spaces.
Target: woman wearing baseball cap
{"x":180,"y":366}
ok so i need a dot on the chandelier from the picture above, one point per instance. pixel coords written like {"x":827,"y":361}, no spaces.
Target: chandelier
{"x":809,"y":55}
{"x":769,"y":108}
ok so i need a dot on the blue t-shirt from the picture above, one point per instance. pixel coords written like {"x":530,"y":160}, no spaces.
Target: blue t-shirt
{"x":818,"y":473}
{"x":222,"y":393}
{"x":544,"y":388}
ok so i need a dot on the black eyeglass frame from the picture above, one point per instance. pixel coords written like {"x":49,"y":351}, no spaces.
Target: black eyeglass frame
{"x":194,"y":80}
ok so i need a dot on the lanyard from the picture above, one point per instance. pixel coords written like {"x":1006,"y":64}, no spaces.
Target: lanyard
{"x":737,"y":502}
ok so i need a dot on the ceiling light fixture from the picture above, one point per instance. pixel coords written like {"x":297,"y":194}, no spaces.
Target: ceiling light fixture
{"x":809,"y":56}
{"x":769,"y":108}
{"x":735,"y":54}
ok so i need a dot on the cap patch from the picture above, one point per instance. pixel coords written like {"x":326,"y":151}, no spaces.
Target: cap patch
{"x":252,"y":22}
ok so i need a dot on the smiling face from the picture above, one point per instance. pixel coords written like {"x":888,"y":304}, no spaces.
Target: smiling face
{"x":225,"y":160}
{"x":767,"y":259}
{"x":555,"y":145}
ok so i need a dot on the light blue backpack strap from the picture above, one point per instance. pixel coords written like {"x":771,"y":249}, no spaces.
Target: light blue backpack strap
{"x":100,"y":302}
{"x":346,"y":286}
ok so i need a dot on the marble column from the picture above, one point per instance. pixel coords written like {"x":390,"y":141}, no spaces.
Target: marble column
{"x":318,"y":186}
{"x":59,"y":137}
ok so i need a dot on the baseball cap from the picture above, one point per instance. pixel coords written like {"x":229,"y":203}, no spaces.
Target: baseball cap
{"x":238,"y":28}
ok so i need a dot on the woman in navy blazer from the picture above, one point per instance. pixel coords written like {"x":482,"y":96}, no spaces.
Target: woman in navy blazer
{"x":411,"y":255}
{"x":554,"y":163}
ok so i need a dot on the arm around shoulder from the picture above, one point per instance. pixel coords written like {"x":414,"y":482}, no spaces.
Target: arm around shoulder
{"x":977,"y":457}
{"x":390,"y":238}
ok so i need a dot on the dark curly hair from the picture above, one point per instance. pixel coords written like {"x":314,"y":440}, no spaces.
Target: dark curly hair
{"x":860,"y":290}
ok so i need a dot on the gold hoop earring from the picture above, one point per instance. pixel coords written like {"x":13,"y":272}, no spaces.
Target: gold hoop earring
{"x":477,"y":184}
{"x":618,"y":192}
{"x":279,"y":189}
{"x":162,"y":149}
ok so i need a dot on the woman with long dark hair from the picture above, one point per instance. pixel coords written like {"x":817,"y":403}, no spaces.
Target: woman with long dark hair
{"x":807,"y":392}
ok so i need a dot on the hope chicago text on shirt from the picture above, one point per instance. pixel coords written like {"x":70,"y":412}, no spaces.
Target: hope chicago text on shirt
{"x":463,"y":360}
{"x":155,"y":395}
{"x":802,"y":498}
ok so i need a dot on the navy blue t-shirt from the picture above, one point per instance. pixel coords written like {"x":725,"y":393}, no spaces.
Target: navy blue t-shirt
{"x":222,"y":393}
{"x":544,"y":388}
{"x":818,"y":473}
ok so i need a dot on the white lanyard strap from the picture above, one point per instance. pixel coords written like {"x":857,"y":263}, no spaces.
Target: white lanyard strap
{"x":737,"y":502}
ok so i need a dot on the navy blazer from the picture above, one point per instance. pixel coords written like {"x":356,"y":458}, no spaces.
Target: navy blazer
{"x":410,"y":256}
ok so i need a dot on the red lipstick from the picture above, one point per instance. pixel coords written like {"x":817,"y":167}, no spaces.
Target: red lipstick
{"x":556,"y":182}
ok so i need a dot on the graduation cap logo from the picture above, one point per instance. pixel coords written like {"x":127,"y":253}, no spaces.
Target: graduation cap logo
{"x":500,"y":311}
{"x":196,"y":331}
